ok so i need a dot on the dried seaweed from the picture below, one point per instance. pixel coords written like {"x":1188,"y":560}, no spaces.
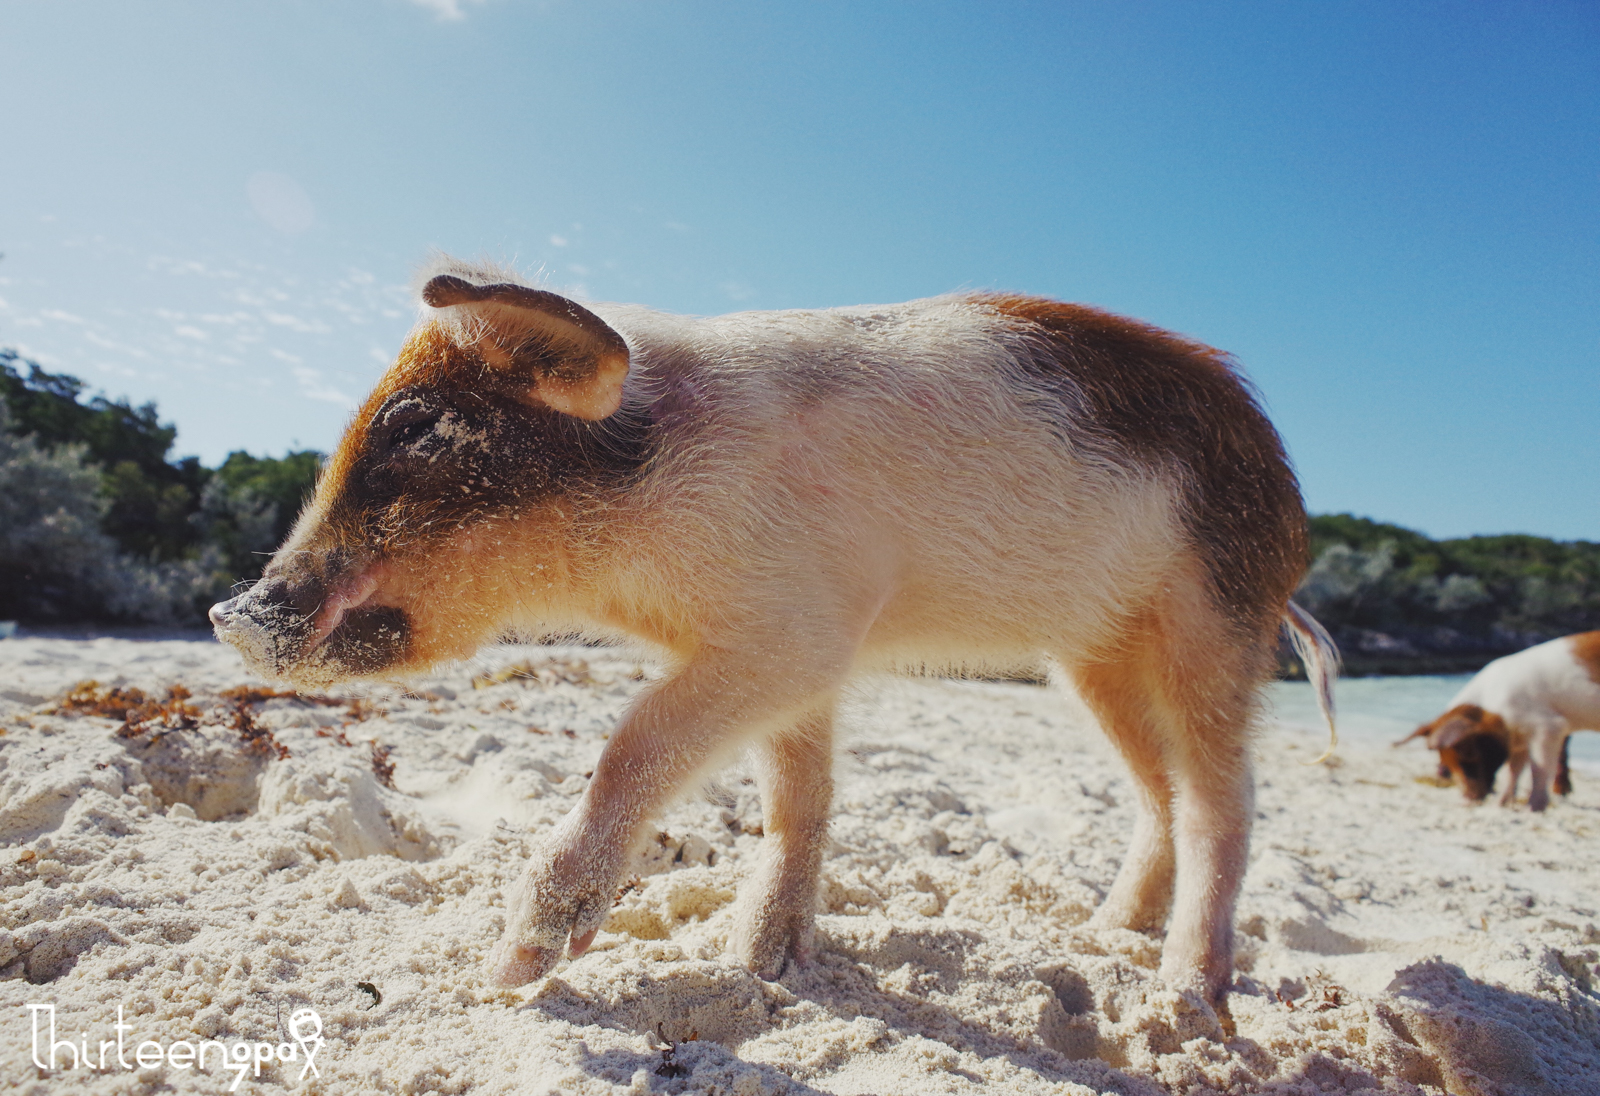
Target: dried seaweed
{"x":358,"y":710}
{"x":1321,"y":995}
{"x":256,"y":738}
{"x":255,"y":694}
{"x":142,"y":714}
{"x":139,"y":712}
{"x":382,"y":767}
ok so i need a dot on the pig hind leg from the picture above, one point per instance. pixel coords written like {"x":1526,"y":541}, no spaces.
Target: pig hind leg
{"x":1120,"y":698}
{"x":779,"y":905}
{"x":1179,"y":704}
{"x":1546,"y":754}
{"x":1214,"y":797}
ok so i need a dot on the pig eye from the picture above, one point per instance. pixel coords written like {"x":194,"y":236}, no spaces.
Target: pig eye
{"x":407,"y":422}
{"x":409,"y":432}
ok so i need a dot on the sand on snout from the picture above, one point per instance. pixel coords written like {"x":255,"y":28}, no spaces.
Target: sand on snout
{"x":355,"y":858}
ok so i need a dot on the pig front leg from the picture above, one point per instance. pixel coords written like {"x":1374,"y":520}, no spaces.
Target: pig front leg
{"x":565,"y":895}
{"x":775,"y":923}
{"x":672,"y":733}
{"x":1515,"y":763}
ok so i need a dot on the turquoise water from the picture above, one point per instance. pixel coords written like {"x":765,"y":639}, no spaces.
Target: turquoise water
{"x":1376,"y":711}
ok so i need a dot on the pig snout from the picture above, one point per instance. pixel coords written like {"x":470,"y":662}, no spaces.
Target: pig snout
{"x":306,"y":628}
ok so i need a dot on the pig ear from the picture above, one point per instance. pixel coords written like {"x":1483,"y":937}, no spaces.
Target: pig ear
{"x":1420,"y":732}
{"x":577,"y":362}
{"x":1452,"y":731}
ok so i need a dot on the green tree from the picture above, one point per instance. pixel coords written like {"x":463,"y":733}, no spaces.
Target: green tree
{"x":150,"y":498}
{"x":251,"y":504}
{"x":56,"y":563}
{"x":96,"y":522}
{"x":1452,"y":604}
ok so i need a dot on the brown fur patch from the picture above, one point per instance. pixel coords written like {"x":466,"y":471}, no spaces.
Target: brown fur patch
{"x":1473,"y":763}
{"x":1478,"y":746}
{"x":1586,"y":649}
{"x":527,"y":453}
{"x":1484,"y":722}
{"x":1168,"y":401}
{"x":429,"y":356}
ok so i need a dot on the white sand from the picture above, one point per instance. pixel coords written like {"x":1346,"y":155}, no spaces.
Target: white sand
{"x":1425,"y":945}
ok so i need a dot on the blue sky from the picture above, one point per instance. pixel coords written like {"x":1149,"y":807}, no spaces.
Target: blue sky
{"x":1389,"y":212}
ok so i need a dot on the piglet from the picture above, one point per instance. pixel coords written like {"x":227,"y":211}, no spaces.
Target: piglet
{"x":777,"y":501}
{"x":1520,"y":707}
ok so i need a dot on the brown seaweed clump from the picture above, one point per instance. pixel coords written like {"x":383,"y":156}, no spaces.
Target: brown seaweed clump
{"x":139,"y":712}
{"x":142,"y":714}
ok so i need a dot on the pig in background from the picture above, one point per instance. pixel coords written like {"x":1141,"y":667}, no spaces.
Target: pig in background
{"x":1519,"y":709}
{"x":780,"y":500}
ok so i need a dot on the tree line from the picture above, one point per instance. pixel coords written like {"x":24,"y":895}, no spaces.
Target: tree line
{"x":1400,"y":602}
{"x":98,"y":522}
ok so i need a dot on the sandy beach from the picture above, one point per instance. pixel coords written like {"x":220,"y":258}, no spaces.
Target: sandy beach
{"x":217,"y":870}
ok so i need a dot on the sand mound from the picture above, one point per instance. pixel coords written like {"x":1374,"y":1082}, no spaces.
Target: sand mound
{"x":354,"y":856}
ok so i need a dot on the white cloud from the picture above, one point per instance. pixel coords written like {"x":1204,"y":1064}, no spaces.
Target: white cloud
{"x":168,"y":265}
{"x":204,"y":329}
{"x":94,"y":338}
{"x":446,"y":9}
{"x":312,"y":386}
{"x":260,"y":296}
{"x":295,"y":323}
{"x":558,"y":241}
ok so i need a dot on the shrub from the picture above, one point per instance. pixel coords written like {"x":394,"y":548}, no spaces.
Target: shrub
{"x":251,"y":503}
{"x":1397,"y":594}
{"x":150,"y":499}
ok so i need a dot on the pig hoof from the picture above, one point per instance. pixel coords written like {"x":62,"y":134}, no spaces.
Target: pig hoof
{"x":1115,"y":915}
{"x":772,"y":967}
{"x":768,"y":948}
{"x":580,"y":944}
{"x":1204,"y":981}
{"x":513,"y":965}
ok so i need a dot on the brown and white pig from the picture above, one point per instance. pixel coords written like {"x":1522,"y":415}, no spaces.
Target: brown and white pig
{"x":780,"y":500}
{"x":1520,"y":708}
